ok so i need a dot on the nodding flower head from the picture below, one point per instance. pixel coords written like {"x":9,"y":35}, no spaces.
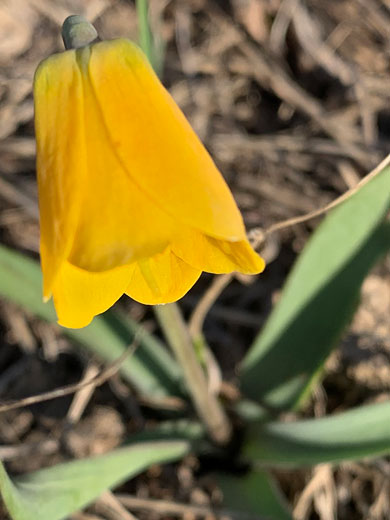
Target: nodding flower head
{"x":130,"y":200}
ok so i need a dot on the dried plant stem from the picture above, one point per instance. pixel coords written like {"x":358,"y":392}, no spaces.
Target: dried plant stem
{"x":206,"y":302}
{"x":110,"y":506}
{"x":318,"y":212}
{"x":93,"y":382}
{"x":206,"y":404}
{"x":178,"y":510}
{"x":145,"y":34}
{"x":257,"y":237}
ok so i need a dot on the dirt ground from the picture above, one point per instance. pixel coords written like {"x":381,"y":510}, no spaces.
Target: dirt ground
{"x":292,"y":98}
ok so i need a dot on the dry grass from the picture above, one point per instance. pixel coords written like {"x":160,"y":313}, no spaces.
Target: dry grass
{"x":292,"y":98}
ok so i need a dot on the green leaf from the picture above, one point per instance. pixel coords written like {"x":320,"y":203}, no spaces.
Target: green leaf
{"x":191,"y":431}
{"x":254,"y":493}
{"x":319,"y":298}
{"x":151,"y":43}
{"x":56,"y":492}
{"x":357,"y":433}
{"x":151,"y":369}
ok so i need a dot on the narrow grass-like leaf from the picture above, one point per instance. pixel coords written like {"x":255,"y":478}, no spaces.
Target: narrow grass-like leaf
{"x":254,"y":493}
{"x":151,"y":43}
{"x":355,"y":434}
{"x":319,"y":298}
{"x":151,"y":369}
{"x":56,"y":492}
{"x":182,"y":429}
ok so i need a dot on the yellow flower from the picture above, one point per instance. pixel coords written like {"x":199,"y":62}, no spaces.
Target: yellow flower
{"x":130,"y":200}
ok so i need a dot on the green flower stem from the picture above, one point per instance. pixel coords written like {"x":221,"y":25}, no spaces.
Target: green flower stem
{"x":207,"y":405}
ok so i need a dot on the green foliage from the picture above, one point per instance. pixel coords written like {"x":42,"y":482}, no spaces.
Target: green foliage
{"x":56,"y":492}
{"x":317,"y":302}
{"x":150,"y":42}
{"x":287,"y":357}
{"x":254,"y":493}
{"x":319,"y":298}
{"x":151,"y":369}
{"x":357,"y":433}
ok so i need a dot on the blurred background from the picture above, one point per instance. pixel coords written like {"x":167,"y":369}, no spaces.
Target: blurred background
{"x":292,"y":98}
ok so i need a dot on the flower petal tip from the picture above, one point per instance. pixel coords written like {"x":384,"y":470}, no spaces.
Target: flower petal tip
{"x":74,"y":325}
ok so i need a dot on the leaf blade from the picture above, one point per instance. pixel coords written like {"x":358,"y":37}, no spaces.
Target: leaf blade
{"x":152,"y":370}
{"x":361,"y":432}
{"x":56,"y":492}
{"x":318,"y":299}
{"x":254,"y":493}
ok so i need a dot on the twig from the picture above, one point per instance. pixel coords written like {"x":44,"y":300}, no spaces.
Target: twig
{"x":206,"y":404}
{"x":85,"y":516}
{"x":110,"y":506}
{"x":97,"y":380}
{"x":83,"y":395}
{"x":168,"y":403}
{"x":16,"y":196}
{"x":208,"y":299}
{"x":166,"y":507}
{"x":271,"y":75}
{"x":271,"y":144}
{"x":258,"y":237}
{"x":280,"y":25}
{"x":321,"y":480}
{"x":309,"y":35}
{"x":308,"y":32}
{"x":308,"y":216}
{"x":46,"y":447}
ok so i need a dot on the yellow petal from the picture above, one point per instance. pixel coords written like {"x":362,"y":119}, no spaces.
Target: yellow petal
{"x":61,"y":157}
{"x":118,"y":222}
{"x":156,"y":145}
{"x":80,"y":295}
{"x":217,"y":256}
{"x":130,"y":200}
{"x":163,"y":278}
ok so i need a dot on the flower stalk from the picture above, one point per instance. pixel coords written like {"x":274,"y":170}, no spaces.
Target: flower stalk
{"x":171,"y":319}
{"x":207,"y":405}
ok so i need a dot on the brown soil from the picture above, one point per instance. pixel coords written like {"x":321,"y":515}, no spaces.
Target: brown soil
{"x":292,"y":98}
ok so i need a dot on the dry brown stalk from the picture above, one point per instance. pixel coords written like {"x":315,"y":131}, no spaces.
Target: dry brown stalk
{"x":258,"y":236}
{"x":95,"y":381}
{"x":166,"y":507}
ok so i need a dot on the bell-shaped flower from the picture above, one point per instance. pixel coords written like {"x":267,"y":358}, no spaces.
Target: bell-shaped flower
{"x":130,"y":200}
